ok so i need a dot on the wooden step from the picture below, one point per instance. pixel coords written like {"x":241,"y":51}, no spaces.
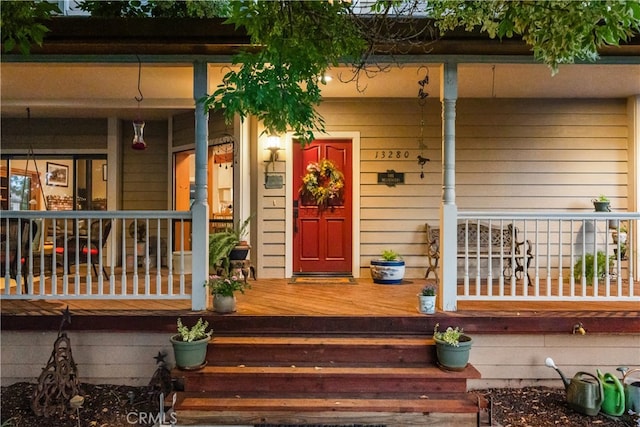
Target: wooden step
{"x":330,"y":351}
{"x":438,"y":409}
{"x":326,"y":379}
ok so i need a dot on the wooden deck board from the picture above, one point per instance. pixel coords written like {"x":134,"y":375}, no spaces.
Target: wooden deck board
{"x":283,"y":306}
{"x":269,"y":297}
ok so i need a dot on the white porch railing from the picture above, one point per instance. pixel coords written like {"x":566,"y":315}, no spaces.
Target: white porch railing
{"x":108,"y":255}
{"x":138,"y":259}
{"x":557,"y":257}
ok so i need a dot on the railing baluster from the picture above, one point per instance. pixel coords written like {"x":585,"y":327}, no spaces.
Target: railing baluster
{"x":158,"y":259}
{"x":123,"y":248}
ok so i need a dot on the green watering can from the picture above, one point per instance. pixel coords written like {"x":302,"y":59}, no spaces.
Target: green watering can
{"x":584,"y":391}
{"x":614,"y":400}
{"x":631,"y":383}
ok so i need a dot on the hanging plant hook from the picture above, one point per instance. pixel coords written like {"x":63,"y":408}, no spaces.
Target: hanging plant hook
{"x":141,"y":97}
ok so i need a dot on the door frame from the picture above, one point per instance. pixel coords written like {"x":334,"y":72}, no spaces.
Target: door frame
{"x":355,"y":200}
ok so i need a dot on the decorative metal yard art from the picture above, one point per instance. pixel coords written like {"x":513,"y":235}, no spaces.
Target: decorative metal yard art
{"x":58,"y":388}
{"x":160,"y":384}
{"x":422,"y":100}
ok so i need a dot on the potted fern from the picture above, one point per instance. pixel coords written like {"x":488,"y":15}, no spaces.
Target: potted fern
{"x":388,"y":269}
{"x":241,"y":249}
{"x":190,"y":345}
{"x":452,"y":348}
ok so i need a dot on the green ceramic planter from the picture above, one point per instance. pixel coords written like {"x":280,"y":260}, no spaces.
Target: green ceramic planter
{"x":453,"y":358}
{"x":189,"y":355}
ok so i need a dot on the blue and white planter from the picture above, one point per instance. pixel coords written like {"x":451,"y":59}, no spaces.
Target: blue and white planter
{"x":387,"y":272}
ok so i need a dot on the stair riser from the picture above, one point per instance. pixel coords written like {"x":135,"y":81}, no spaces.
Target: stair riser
{"x":310,"y":355}
{"x":303,"y":384}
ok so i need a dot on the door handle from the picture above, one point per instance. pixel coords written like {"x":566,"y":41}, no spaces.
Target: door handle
{"x":295,"y":216}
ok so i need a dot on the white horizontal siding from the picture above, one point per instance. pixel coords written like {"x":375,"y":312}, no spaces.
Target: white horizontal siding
{"x":518,"y":360}
{"x":503,"y":360}
{"x":511,"y":154}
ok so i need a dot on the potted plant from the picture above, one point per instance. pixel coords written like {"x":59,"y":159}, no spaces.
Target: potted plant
{"x":452,"y":348}
{"x":223,"y":288}
{"x":220,"y":246}
{"x":190,"y":345}
{"x":602,"y":204}
{"x":241,"y":249}
{"x":388,"y":269}
{"x":589,"y":272}
{"x":427,"y":299}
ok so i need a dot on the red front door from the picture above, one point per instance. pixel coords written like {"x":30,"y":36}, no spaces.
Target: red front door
{"x":322,"y":233}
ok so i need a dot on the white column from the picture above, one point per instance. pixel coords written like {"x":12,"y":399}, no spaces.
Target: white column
{"x":448,"y":208}
{"x":114,"y":181}
{"x":242,"y":170}
{"x":633,"y":108}
{"x":200,"y":208}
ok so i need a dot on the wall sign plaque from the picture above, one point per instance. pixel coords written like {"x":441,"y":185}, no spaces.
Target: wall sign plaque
{"x":390,"y":178}
{"x":273,"y":181}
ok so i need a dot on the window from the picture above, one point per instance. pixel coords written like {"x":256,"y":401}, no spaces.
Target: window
{"x":53,"y":183}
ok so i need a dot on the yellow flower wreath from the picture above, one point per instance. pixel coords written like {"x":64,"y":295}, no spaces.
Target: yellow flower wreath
{"x":323,"y":182}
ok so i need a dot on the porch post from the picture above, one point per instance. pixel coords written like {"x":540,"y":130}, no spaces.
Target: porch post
{"x":448,"y":208}
{"x":200,"y":207}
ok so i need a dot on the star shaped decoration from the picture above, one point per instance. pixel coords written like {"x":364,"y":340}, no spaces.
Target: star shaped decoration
{"x":160,"y":358}
{"x":66,"y":315}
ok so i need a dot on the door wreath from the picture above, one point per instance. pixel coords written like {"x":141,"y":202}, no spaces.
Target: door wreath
{"x":323,"y":183}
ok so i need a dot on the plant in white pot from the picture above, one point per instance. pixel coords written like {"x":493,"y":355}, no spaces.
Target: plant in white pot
{"x":388,"y":269}
{"x":190,"y":345}
{"x":452,"y":348}
{"x":427,"y":299}
{"x":223,"y":289}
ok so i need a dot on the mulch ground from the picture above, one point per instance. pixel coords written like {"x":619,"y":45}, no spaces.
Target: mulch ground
{"x":117,"y":405}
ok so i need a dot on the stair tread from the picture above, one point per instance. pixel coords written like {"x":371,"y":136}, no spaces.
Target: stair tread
{"x":327,"y":341}
{"x":369,"y":371}
{"x":445,"y":402}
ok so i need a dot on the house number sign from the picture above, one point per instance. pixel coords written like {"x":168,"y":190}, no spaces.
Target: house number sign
{"x":390,"y":178}
{"x":391,"y":155}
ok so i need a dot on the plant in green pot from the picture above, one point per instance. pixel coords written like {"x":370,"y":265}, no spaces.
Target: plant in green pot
{"x":190,"y":345}
{"x":388,"y":269}
{"x":602,"y":204}
{"x":223,"y":289}
{"x":452,"y":348}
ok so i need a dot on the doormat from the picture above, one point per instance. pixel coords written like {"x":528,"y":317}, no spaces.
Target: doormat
{"x":322,"y":280}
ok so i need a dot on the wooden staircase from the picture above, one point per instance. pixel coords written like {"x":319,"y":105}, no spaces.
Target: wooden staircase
{"x":329,"y":380}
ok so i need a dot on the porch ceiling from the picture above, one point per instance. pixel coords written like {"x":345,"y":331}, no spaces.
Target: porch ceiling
{"x":101,"y":90}
{"x":80,"y":71}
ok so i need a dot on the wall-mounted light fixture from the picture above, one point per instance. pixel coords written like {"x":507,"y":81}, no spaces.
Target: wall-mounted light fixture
{"x":273,"y":180}
{"x":273,"y":145}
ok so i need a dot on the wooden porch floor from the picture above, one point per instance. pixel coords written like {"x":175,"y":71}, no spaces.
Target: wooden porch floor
{"x":280,"y":297}
{"x":362,"y":301}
